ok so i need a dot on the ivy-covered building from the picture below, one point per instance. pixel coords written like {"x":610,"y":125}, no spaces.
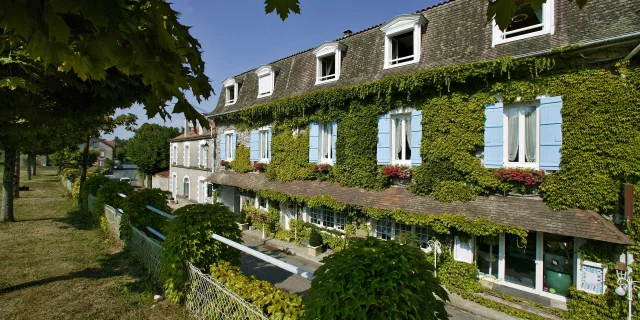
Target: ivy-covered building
{"x":510,"y":146}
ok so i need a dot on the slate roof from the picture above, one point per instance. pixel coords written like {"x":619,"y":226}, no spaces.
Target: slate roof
{"x":530,"y":214}
{"x":456,"y":33}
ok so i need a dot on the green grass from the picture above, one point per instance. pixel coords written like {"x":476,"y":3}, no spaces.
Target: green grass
{"x":54,"y":265}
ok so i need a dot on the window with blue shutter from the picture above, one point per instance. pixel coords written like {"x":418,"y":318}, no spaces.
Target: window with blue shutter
{"x":384,"y":139}
{"x":416,"y":137}
{"x":254,"y":146}
{"x":550,"y":132}
{"x":269,"y":144}
{"x":223,"y":147}
{"x":314,"y":135}
{"x":334,"y":138}
{"x":493,"y":135}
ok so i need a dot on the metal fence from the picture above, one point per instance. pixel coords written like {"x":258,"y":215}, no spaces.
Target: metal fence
{"x":146,"y":250}
{"x":113,"y":218}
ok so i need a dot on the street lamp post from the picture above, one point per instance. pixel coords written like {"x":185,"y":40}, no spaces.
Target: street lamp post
{"x":435,"y":246}
{"x":625,"y":287}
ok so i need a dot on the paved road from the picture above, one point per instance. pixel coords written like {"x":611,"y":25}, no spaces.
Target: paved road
{"x":128,"y":170}
{"x":296,"y":284}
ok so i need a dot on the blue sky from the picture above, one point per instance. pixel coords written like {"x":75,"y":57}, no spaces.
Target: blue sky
{"x":237,"y":36}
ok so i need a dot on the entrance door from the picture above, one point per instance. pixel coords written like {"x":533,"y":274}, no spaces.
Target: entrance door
{"x":487,"y":256}
{"x":520,"y":260}
{"x":290,"y":213}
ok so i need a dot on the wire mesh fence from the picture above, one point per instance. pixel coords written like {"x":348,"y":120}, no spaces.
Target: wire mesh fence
{"x":113,"y":218}
{"x":207,"y":298}
{"x":146,"y":250}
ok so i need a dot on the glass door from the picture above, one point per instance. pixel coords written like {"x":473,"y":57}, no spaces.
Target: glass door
{"x":558,"y":264}
{"x":520,"y":260}
{"x":487,"y":256}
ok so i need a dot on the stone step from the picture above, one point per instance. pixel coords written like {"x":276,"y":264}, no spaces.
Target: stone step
{"x":523,"y":305}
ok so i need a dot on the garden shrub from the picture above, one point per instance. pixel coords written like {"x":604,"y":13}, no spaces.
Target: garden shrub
{"x":458,"y":276}
{"x":71,"y":174}
{"x":108,"y":194}
{"x":275,"y":303}
{"x":449,"y":191}
{"x":189,"y":239}
{"x":375,"y":279}
{"x":91,"y":187}
{"x":135,"y":211}
{"x":315,"y":239}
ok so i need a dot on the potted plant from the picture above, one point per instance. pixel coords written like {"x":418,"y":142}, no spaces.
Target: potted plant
{"x":399,"y":174}
{"x":260,"y":217}
{"x":174,"y":163}
{"x":521,"y":181}
{"x":243,"y":225}
{"x":315,"y":243}
{"x":202,"y":166}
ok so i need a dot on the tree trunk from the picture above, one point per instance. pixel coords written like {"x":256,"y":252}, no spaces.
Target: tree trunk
{"x":85,"y":158}
{"x":7,"y":185}
{"x":29,"y":162}
{"x":34,"y":163}
{"x":16,"y":175}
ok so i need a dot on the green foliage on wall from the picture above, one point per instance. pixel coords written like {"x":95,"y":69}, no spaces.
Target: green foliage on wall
{"x":362,"y":282}
{"x":241,"y":163}
{"x":450,"y":191}
{"x":275,"y":303}
{"x":189,"y":239}
{"x":289,"y":156}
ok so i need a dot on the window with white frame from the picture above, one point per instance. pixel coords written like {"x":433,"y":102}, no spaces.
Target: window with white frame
{"x":266,"y":80}
{"x":521,"y":132}
{"x":263,"y":147}
{"x":388,"y":229}
{"x":263,"y":203}
{"x":327,"y":218}
{"x":328,"y":61}
{"x":326,"y":142}
{"x":402,"y":40}
{"x":175,"y":154}
{"x":401,"y":139}
{"x":231,"y":86}
{"x":187,"y":156}
{"x":185,"y":187}
{"x":102,"y":153}
{"x":527,"y":22}
{"x":384,"y":229}
{"x":202,"y":160}
{"x":228,"y":145}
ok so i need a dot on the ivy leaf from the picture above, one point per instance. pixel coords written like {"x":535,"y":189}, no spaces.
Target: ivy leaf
{"x":282,"y":7}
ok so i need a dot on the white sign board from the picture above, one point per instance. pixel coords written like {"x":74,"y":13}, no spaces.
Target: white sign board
{"x":592,"y":276}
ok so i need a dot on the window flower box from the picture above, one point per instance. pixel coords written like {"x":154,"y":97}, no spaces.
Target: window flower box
{"x":522,"y":181}
{"x":400,"y":175}
{"x":260,"y":166}
{"x":320,"y":168}
{"x":225,"y":164}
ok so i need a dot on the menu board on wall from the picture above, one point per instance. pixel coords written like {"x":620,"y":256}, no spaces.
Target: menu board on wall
{"x":592,"y":277}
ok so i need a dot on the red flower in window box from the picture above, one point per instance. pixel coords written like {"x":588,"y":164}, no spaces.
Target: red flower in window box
{"x":224,"y":163}
{"x":260,"y":166}
{"x":322,"y":168}
{"x":397,"y":171}
{"x":521,"y":180}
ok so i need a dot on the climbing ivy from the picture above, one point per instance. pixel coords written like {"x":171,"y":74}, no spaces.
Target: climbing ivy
{"x":289,"y":156}
{"x":242,"y":163}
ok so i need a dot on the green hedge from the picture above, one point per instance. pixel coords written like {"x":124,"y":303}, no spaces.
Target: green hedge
{"x":135,"y":211}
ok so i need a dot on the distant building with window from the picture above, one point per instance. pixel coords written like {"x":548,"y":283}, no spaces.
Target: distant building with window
{"x":310,"y":94}
{"x":105,"y":148}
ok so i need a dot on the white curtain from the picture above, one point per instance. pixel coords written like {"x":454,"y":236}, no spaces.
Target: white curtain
{"x":398,"y":142}
{"x":530,"y":132}
{"x":408,"y":134}
{"x":513,"y":137}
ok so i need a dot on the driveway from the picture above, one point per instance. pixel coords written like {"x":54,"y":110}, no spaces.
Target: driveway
{"x":129,"y":170}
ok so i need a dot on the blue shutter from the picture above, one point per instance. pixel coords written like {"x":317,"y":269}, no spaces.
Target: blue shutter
{"x":416,"y":137}
{"x":493,"y":135}
{"x":254,"y":146}
{"x":269,"y":145}
{"x":234,"y":142}
{"x":223,"y":147}
{"x":384,"y":139}
{"x":314,"y":135}
{"x":334,"y":138}
{"x":550,"y":132}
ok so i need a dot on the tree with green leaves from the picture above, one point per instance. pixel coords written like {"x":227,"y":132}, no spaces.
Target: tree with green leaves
{"x":148,"y":148}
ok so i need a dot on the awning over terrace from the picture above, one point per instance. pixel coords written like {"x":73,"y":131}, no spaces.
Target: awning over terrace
{"x":531,"y":214}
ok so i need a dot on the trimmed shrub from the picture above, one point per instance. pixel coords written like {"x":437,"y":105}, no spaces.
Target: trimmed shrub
{"x":108,"y":194}
{"x":375,"y":279}
{"x":189,"y":239}
{"x":91,"y":186}
{"x":135,"y":211}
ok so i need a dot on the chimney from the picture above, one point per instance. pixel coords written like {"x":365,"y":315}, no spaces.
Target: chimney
{"x":628,"y":201}
{"x":347,"y":33}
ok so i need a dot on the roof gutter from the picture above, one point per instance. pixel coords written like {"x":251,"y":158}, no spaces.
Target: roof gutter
{"x":585,"y":44}
{"x":632,"y":53}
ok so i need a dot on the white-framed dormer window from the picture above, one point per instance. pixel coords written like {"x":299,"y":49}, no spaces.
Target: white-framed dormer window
{"x":231,"y":86}
{"x":326,"y":142}
{"x":263,"y":144}
{"x":522,"y":135}
{"x":187,"y":156}
{"x":228,"y":145}
{"x":327,"y":218}
{"x":266,"y":80}
{"x":526,"y":22}
{"x":402,"y":40}
{"x":328,"y":61}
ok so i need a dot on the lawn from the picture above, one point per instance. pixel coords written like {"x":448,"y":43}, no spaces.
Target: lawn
{"x":54,"y":265}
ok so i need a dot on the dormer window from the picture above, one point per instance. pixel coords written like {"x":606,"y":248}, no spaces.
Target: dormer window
{"x":402,"y":40}
{"x":231,"y":90}
{"x":526,"y":22}
{"x":329,"y":60}
{"x":266,"y":80}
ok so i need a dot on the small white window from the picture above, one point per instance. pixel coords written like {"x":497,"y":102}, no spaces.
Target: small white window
{"x":263,"y":145}
{"x":228,"y":152}
{"x":175,"y":154}
{"x":231,"y":86}
{"x":329,"y":59}
{"x":327,"y":218}
{"x":402,"y":40}
{"x":266,"y":80}
{"x":388,"y":229}
{"x":384,"y":229}
{"x":401,"y":139}
{"x":326,"y":142}
{"x":187,"y":156}
{"x":521,"y":136}
{"x":263,"y":203}
{"x":526,"y":22}
{"x":185,"y":188}
{"x":202,"y":160}
{"x":102,"y":153}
